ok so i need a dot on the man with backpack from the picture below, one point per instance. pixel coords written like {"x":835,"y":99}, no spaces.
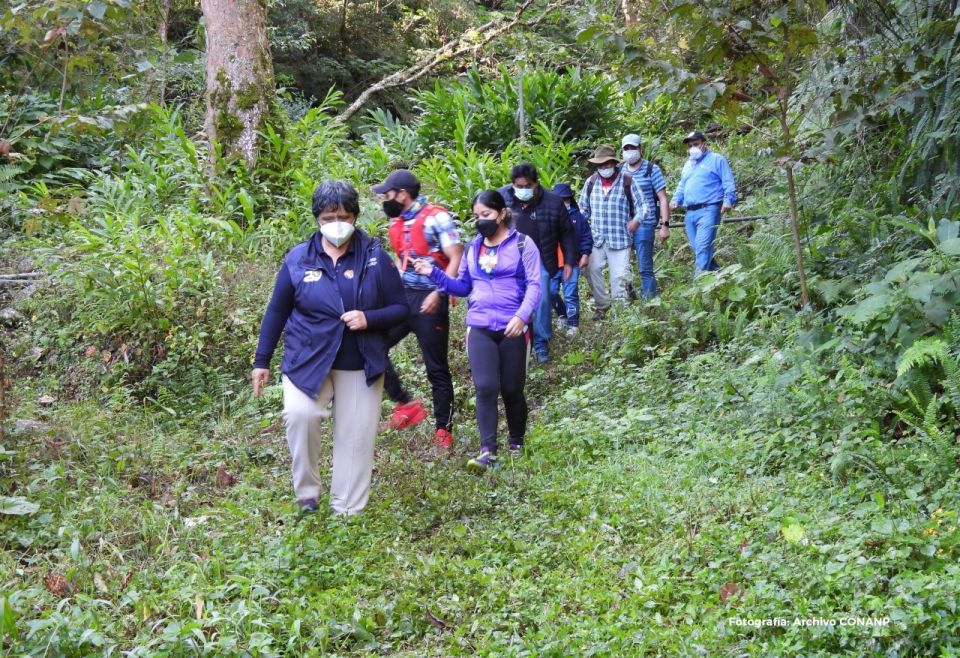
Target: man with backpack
{"x":650,"y":179}
{"x":419,"y":229}
{"x":614,"y":204}
{"x":540,"y":214}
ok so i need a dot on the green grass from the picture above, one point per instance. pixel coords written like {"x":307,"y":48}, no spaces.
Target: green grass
{"x":655,"y":504}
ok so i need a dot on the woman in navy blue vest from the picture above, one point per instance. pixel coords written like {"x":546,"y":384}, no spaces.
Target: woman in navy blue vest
{"x":336,"y":296}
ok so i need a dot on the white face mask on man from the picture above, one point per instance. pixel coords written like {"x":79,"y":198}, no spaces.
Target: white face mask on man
{"x":523,"y":193}
{"x":695,"y":152}
{"x":631,"y":156}
{"x":607,"y":172}
{"x":337,"y":233}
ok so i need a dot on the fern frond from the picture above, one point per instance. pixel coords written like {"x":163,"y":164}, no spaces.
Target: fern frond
{"x":923,"y":351}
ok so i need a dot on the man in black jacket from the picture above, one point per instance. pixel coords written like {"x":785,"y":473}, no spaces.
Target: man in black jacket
{"x":540,"y":214}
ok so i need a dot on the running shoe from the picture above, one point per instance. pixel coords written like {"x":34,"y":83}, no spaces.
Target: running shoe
{"x":443,"y":439}
{"x":485,"y":460}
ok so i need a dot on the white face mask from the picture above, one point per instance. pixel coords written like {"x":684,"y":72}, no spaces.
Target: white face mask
{"x":607,"y":172}
{"x":695,"y":152}
{"x":523,"y":193}
{"x":337,"y":233}
{"x":632,"y":157}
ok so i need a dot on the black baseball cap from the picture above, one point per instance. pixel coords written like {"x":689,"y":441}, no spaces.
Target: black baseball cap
{"x":696,"y":134}
{"x":400,"y":179}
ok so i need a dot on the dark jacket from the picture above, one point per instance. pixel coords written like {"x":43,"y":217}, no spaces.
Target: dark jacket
{"x":581,"y":229}
{"x":306,"y":307}
{"x":546,"y":221}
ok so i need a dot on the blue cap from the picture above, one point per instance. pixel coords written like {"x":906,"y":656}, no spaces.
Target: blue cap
{"x":563,"y":190}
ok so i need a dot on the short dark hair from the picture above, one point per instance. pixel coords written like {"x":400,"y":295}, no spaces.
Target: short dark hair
{"x":336,"y":194}
{"x":524,"y":170}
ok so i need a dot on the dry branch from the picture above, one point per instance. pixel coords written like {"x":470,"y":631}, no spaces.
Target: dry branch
{"x":448,"y":51}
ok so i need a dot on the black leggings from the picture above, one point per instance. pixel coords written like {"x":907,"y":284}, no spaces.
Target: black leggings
{"x":499,"y":367}
{"x":433,"y":337}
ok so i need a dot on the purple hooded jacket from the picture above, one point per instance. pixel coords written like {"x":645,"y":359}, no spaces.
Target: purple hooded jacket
{"x":513,"y":289}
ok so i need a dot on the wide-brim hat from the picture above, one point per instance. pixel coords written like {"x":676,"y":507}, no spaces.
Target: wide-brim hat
{"x":696,"y":134}
{"x":563,"y":190}
{"x":603,"y":155}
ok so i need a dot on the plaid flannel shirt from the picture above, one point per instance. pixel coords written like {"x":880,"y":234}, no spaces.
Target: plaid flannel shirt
{"x":609,"y":213}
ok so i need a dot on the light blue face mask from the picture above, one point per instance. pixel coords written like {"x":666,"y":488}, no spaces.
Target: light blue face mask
{"x":523,"y":193}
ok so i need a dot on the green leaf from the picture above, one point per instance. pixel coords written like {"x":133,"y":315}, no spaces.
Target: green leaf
{"x":737,"y":294}
{"x":882,"y":526}
{"x":97,"y":10}
{"x":950,"y":247}
{"x":793,"y":533}
{"x":947,"y":230}
{"x":868,"y":309}
{"x":17,"y":506}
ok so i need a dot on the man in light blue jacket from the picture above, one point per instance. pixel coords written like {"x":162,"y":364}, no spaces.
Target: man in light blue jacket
{"x":706,"y":190}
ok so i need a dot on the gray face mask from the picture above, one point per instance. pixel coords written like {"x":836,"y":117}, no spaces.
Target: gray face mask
{"x":337,"y":233}
{"x":607,"y":172}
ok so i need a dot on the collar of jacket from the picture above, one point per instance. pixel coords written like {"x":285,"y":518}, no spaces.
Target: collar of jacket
{"x":414,"y":209}
{"x":363,"y":244}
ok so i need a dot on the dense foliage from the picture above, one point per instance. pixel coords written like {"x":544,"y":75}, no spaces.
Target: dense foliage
{"x":717,"y":454}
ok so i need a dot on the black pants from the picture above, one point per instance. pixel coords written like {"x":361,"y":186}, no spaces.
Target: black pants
{"x":499,"y":367}
{"x":433,"y":337}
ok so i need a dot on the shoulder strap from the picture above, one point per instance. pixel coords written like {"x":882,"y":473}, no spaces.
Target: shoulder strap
{"x":590,"y":183}
{"x":649,"y":168}
{"x":628,"y":190}
{"x":521,"y":271}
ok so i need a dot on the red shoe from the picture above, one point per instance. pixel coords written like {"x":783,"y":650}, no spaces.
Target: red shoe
{"x":443,"y":439}
{"x":407,"y":415}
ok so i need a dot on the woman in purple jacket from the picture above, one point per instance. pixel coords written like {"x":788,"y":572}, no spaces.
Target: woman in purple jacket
{"x":500,"y":276}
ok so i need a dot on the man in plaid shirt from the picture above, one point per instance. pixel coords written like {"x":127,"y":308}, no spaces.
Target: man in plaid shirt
{"x":614,"y":204}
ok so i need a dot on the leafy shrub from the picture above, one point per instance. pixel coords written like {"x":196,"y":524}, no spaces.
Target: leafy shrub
{"x":914,"y":296}
{"x":584,"y":105}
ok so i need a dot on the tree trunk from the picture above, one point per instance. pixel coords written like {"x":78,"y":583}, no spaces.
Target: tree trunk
{"x":795,"y":229}
{"x":164,"y":30}
{"x":240,"y":83}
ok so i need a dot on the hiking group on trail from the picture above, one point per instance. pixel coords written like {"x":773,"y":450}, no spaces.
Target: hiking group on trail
{"x":342,"y":302}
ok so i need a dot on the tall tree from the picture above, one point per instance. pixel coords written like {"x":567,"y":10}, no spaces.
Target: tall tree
{"x":240,"y":83}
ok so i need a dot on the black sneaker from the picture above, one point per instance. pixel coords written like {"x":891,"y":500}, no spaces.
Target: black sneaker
{"x":308,"y":505}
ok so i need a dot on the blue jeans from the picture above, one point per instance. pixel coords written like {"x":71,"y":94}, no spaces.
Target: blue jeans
{"x":702,"y":231}
{"x":643,"y":240}
{"x":541,"y":318}
{"x":567,"y":306}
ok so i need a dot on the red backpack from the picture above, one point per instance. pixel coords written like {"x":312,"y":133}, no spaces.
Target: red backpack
{"x":409,"y":241}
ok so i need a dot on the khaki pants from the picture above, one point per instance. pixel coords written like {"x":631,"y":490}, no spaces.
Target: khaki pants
{"x":356,"y":414}
{"x":618,"y":262}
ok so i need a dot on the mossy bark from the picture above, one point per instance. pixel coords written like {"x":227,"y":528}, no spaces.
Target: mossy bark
{"x":240,"y":83}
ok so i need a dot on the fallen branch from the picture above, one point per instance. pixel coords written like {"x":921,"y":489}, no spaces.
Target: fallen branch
{"x":21,"y":275}
{"x":448,"y":51}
